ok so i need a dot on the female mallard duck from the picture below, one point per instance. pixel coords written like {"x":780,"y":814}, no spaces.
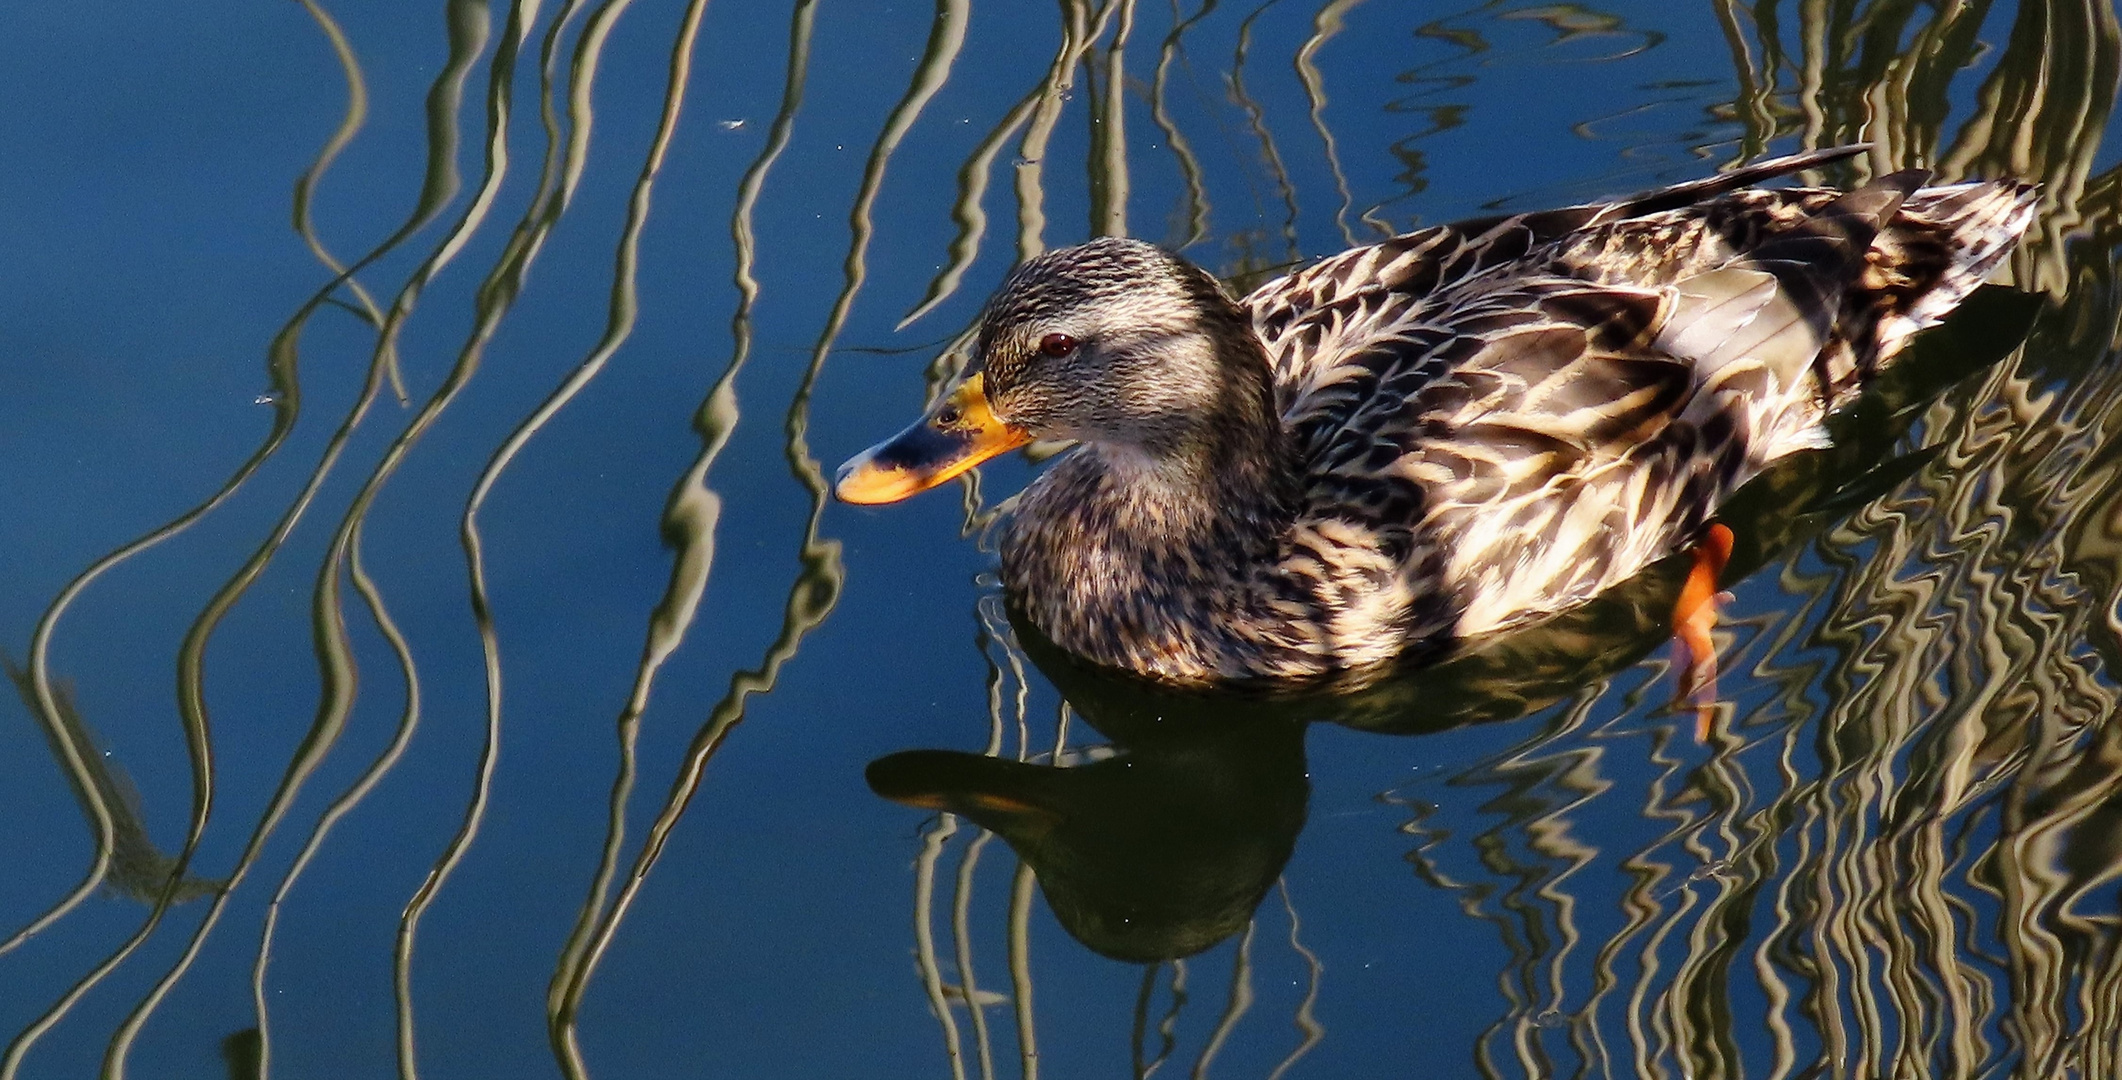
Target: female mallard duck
{"x":1453,"y":432}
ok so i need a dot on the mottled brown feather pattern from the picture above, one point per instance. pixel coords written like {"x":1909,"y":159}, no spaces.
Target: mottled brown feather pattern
{"x":1450,"y":432}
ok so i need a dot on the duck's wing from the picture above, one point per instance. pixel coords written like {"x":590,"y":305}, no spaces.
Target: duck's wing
{"x":1447,"y":460}
{"x":1521,"y":440}
{"x":1340,"y":304}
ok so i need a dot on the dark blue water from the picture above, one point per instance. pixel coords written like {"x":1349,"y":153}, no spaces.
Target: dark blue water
{"x":649,"y":276}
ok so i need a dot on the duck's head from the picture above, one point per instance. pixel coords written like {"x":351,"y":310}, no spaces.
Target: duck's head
{"x":1116,"y":343}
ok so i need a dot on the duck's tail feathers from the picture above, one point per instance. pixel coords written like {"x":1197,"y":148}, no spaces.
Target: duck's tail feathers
{"x":1688,"y":194}
{"x":1975,"y":224}
{"x":1822,"y":265}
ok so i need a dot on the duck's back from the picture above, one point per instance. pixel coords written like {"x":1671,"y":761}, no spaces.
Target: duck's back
{"x":1500,"y":419}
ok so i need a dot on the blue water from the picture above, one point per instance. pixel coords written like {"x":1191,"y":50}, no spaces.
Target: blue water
{"x":1891,"y":854}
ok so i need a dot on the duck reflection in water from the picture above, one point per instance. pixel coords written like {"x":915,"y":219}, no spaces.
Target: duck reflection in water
{"x":1166,"y":843}
{"x":1154,"y":853}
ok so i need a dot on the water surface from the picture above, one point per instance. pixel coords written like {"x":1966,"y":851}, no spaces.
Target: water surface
{"x":440,"y":658}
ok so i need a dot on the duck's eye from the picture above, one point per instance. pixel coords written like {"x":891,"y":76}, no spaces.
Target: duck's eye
{"x":948,"y":417}
{"x":1057,"y":344}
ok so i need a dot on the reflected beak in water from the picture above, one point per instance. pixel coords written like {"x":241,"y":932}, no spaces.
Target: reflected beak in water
{"x":998,"y":793}
{"x":957,"y":433}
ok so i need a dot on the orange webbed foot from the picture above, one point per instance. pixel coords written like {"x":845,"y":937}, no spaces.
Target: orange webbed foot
{"x":1694,"y":617}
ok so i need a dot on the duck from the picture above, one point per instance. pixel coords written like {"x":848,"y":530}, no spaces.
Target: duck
{"x":1448,"y":434}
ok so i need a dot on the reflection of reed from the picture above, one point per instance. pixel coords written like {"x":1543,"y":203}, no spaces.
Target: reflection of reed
{"x":1167,"y":1027}
{"x":1078,"y":34}
{"x":306,"y":186}
{"x":1882,"y":73}
{"x":336,"y":668}
{"x":667,"y":627}
{"x":1307,"y":1023}
{"x":1196,"y":215}
{"x":138,"y":869}
{"x":1325,"y":26}
{"x":353,"y":796}
{"x":1256,"y":119}
{"x":1109,"y":175}
{"x":1235,"y":1006}
{"x":564,"y":162}
{"x":1008,"y":694}
{"x":690,"y":518}
{"x":467,"y":39}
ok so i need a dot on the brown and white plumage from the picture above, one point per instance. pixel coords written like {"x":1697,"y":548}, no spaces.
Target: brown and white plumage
{"x":1456,"y":431}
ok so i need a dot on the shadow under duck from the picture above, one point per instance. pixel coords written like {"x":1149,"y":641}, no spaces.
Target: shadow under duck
{"x":1450,"y":433}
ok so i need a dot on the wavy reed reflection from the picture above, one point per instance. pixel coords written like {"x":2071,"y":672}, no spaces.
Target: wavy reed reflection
{"x":1896,"y":852}
{"x":467,"y":38}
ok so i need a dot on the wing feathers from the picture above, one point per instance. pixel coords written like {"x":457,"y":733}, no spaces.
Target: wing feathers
{"x":1738,"y":313}
{"x":1533,"y":407}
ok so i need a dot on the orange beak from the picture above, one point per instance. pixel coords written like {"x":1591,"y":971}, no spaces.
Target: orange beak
{"x":957,"y":433}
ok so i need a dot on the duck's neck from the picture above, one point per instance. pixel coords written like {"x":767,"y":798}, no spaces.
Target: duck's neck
{"x":1145,"y":558}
